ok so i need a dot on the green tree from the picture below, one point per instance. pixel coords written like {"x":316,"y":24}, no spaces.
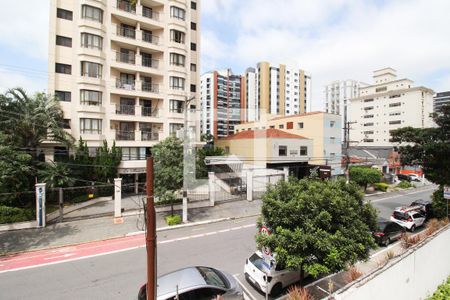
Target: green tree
{"x":317,"y":226}
{"x":106,"y":162}
{"x":56,"y":174}
{"x":168,"y":166}
{"x":364,"y":176}
{"x":81,"y":163}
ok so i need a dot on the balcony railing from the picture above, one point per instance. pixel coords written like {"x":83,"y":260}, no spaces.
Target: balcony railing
{"x":150,"y":112}
{"x":126,"y":6}
{"x":126,"y":58}
{"x":149,"y":13}
{"x":148,"y":87}
{"x":150,"y":63}
{"x":126,"y":32}
{"x":126,"y":84}
{"x":150,"y":38}
{"x":125,"y":135}
{"x":149,"y":135}
{"x":125,"y":109}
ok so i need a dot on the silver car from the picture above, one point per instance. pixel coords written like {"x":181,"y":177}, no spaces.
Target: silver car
{"x":195,"y":283}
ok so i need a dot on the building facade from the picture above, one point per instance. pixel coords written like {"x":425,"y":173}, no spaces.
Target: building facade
{"x":389,"y":103}
{"x":221,"y":102}
{"x":338,"y":95}
{"x":123,"y":72}
{"x":441,"y":99}
{"x":323,"y":129}
{"x":275,"y":90}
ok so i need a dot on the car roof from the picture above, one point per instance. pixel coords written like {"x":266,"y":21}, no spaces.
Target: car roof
{"x":421,"y":201}
{"x":186,"y":278}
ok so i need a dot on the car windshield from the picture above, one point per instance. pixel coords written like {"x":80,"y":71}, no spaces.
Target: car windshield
{"x":212,"y":277}
{"x":382,"y":225}
{"x":256,"y":260}
{"x":400,"y":216}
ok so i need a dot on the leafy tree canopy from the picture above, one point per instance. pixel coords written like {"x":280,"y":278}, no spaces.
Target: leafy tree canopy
{"x":364,"y":176}
{"x":428,"y":147}
{"x":318,"y":226}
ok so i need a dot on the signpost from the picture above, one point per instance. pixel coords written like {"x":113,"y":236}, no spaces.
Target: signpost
{"x":267,"y":257}
{"x":447,"y":195}
{"x":40,"y":204}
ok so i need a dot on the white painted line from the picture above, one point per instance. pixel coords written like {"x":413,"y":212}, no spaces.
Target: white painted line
{"x":60,"y":256}
{"x":398,"y":196}
{"x":244,"y":287}
{"x":321,"y":289}
{"x":384,"y":250}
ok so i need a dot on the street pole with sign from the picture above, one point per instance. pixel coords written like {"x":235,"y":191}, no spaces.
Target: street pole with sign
{"x":267,"y":258}
{"x":447,"y":195}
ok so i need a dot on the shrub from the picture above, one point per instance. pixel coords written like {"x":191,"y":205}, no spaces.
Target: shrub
{"x":353,"y":273}
{"x":381,"y":186}
{"x":404,"y":184}
{"x":409,"y":241}
{"x":15,"y":214}
{"x":173,"y":220}
{"x":296,"y":293}
{"x":442,"y":292}
{"x":390,"y":255}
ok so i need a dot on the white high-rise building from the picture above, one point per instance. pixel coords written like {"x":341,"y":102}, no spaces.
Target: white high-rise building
{"x":389,"y":103}
{"x":123,"y":71}
{"x":276,"y":90}
{"x":338,"y":95}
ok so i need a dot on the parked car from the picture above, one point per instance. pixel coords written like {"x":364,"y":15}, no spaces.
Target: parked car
{"x":426,"y":207}
{"x":408,"y":217}
{"x":404,"y":177}
{"x":414,"y":177}
{"x":387,"y":232}
{"x":276,"y":278}
{"x":195,"y":283}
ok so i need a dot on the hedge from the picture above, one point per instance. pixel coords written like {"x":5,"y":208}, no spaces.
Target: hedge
{"x":14,"y":214}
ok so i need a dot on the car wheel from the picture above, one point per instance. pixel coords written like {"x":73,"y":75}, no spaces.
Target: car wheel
{"x":276,"y":290}
{"x":387,"y":242}
{"x":413,"y":228}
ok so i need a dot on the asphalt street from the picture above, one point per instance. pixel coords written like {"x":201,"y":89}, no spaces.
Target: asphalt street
{"x":224,"y":245}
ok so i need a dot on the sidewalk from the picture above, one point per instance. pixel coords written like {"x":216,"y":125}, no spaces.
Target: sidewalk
{"x":86,"y":230}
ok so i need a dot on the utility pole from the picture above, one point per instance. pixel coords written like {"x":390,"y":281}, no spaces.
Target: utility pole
{"x":347,"y":145}
{"x":150,"y":234}
{"x":186,"y":159}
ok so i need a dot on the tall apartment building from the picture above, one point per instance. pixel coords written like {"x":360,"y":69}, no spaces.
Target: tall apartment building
{"x":441,"y":99}
{"x":389,"y":103}
{"x":221,"y":102}
{"x":123,"y":72}
{"x":338,"y":95}
{"x":275,"y":90}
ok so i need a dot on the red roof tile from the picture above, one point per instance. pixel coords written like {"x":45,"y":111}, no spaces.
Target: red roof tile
{"x":265,"y":133}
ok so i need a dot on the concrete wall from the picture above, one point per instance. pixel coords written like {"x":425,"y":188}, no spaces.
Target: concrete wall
{"x":414,"y":275}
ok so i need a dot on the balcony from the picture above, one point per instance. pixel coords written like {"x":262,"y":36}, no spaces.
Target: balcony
{"x":125,"y":135}
{"x":150,"y":38}
{"x":149,"y":136}
{"x":125,"y":110}
{"x":126,"y":32}
{"x":129,"y":85}
{"x":126,"y":6}
{"x":149,"y":13}
{"x":150,"y":112}
{"x":126,"y":58}
{"x":150,"y":63}
{"x":148,"y":87}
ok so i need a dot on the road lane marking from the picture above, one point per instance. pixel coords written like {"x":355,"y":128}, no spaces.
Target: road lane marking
{"x":398,"y":196}
{"x":59,"y":256}
{"x":244,"y":287}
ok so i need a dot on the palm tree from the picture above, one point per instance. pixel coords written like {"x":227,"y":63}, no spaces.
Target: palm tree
{"x":29,"y":121}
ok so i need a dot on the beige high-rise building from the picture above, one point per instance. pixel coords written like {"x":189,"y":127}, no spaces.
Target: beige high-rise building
{"x":123,"y":71}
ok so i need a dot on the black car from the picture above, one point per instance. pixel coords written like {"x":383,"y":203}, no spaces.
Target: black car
{"x":427,"y":207}
{"x":404,"y":177}
{"x":387,"y":232}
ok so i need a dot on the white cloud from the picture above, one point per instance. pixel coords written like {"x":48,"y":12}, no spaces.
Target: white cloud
{"x":340,"y":39}
{"x":25,"y":27}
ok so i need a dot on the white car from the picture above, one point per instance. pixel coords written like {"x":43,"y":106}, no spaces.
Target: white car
{"x":276,"y":279}
{"x":409,"y":217}
{"x":414,"y":177}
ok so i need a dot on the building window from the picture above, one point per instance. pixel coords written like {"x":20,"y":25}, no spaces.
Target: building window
{"x":395,"y":114}
{"x":368,"y":108}
{"x":63,"y":41}
{"x":176,"y":83}
{"x":193,"y":68}
{"x":332,"y":124}
{"x":176,"y":106}
{"x":303,"y":150}
{"x":193,"y":5}
{"x":63,"y":96}
{"x":281,"y":126}
{"x":368,"y":100}
{"x":193,"y":46}
{"x":63,"y":68}
{"x":89,"y":40}
{"x":89,"y":97}
{"x":176,"y":12}
{"x":300,"y":125}
{"x":91,"y":69}
{"x":395,"y":96}
{"x":193,"y":26}
{"x":395,"y":104}
{"x":193,"y":88}
{"x":368,"y":140}
{"x":91,"y":126}
{"x":177,"y":59}
{"x":173,"y":128}
{"x":92,"y":13}
{"x":332,"y":140}
{"x":64,"y":14}
{"x":381,"y":89}
{"x":177,"y":36}
{"x":396,"y":122}
{"x":282,"y":150}
{"x":290,"y":125}
{"x":368,"y":124}
{"x":272,"y":127}
{"x":368,"y":116}
{"x":133,"y":153}
{"x":66,"y":124}
{"x":332,"y":155}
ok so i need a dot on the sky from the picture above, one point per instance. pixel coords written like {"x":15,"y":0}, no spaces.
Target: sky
{"x":330,"y":39}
